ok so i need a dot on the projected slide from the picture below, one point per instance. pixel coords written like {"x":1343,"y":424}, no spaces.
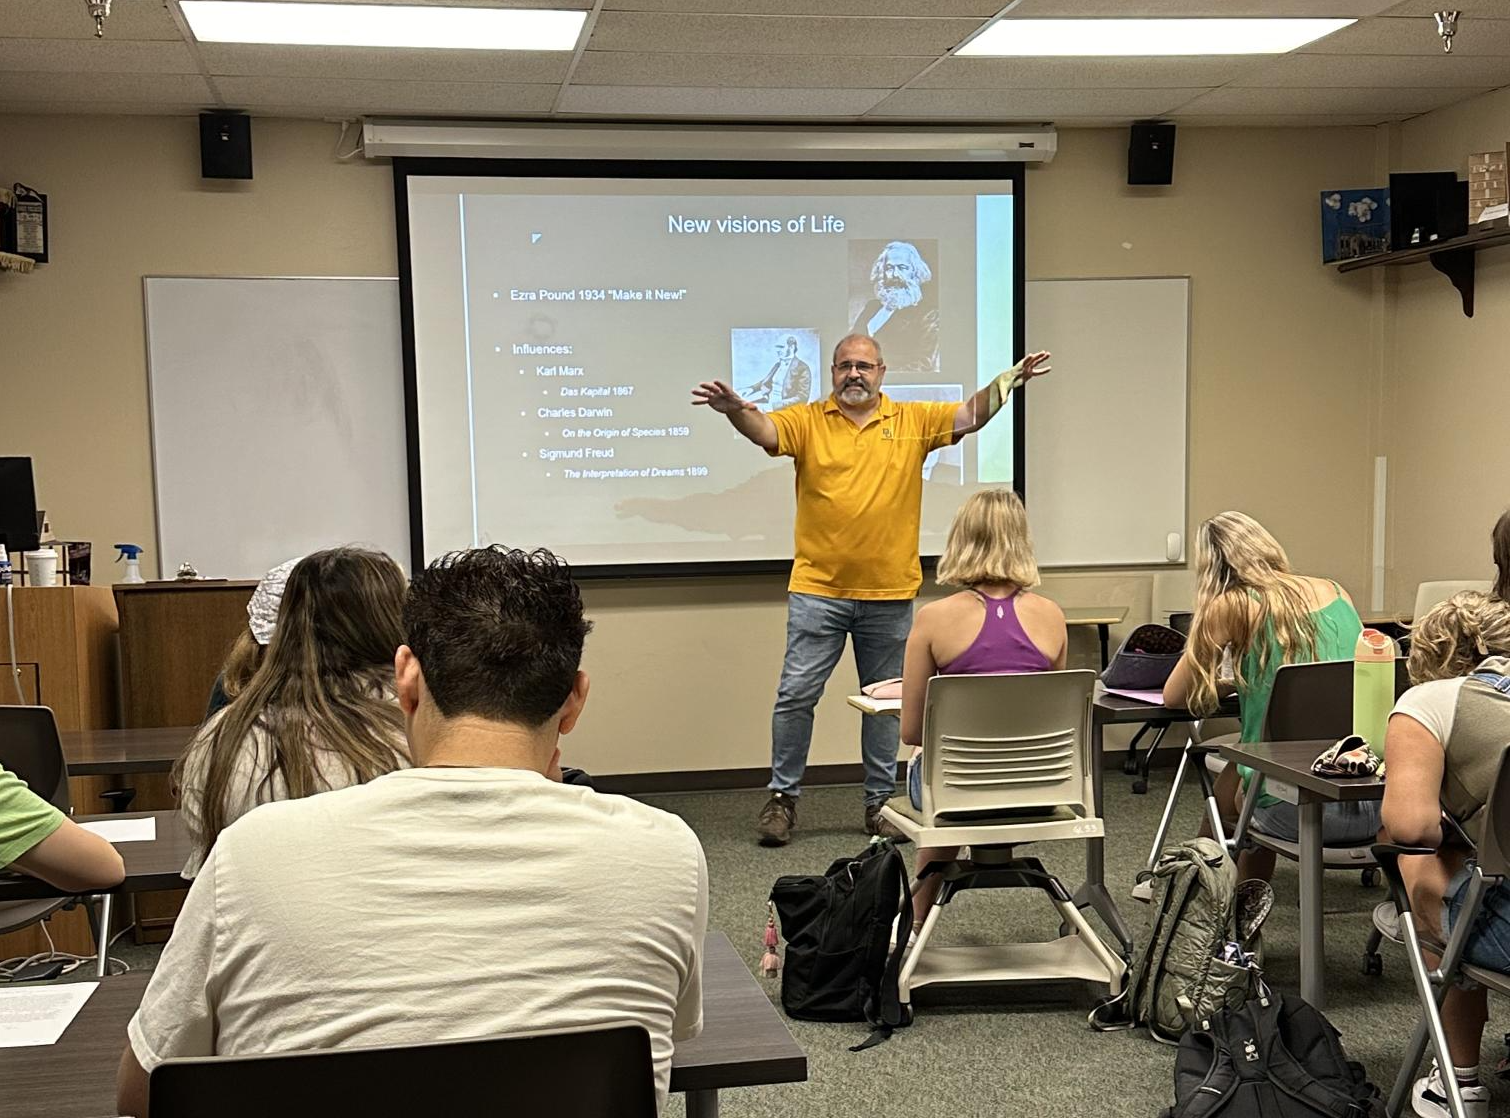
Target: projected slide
{"x":560,"y":325}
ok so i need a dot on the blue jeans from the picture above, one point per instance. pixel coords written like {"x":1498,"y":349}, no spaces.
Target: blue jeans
{"x":815,"y":632}
{"x":1489,"y":944}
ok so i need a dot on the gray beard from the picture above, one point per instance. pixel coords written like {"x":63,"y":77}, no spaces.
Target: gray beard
{"x":897,"y":298}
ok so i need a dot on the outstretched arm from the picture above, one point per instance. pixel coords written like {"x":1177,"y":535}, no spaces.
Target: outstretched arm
{"x":977,"y":411}
{"x":748,"y":420}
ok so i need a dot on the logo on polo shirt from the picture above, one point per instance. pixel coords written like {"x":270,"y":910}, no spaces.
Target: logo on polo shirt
{"x":885,"y":432}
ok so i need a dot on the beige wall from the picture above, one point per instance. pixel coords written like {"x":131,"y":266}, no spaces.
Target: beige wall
{"x":1447,"y":409}
{"x":685,"y":670}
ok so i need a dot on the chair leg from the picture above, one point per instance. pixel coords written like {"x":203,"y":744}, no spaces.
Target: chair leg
{"x":1130,"y":762}
{"x":1116,"y":969}
{"x":1430,"y":996}
{"x":1208,"y":790}
{"x":102,"y":935}
{"x":910,"y":964}
{"x":1174,"y":794}
{"x":1140,"y":786}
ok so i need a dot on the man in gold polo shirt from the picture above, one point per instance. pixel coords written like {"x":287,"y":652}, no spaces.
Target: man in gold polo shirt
{"x":859,"y":458}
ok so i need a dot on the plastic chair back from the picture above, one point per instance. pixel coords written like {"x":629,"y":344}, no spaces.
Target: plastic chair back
{"x":31,"y":749}
{"x":584,"y":1073}
{"x":1429,"y":594}
{"x":1311,"y":701}
{"x":1494,"y":842}
{"x":998,"y":745}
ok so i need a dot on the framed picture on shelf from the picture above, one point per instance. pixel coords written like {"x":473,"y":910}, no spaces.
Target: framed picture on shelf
{"x":1354,"y":223}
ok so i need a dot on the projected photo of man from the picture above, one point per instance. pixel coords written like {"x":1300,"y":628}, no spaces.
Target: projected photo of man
{"x":787,"y":380}
{"x":896,"y":301}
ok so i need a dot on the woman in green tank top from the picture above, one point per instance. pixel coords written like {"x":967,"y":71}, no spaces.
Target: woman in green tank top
{"x":1251,"y":606}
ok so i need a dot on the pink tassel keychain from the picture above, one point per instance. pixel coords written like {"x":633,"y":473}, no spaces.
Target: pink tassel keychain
{"x":770,"y":962}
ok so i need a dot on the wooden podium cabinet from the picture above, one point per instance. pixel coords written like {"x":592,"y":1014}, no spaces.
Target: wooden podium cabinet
{"x":66,"y":650}
{"x":174,"y":637}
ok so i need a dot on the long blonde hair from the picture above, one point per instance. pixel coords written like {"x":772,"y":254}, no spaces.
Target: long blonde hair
{"x":1456,"y":635}
{"x":989,"y":542}
{"x":320,"y":685}
{"x":241,"y":663}
{"x":1243,"y":573}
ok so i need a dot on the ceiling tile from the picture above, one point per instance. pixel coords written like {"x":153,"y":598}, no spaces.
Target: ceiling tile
{"x":1260,"y":120}
{"x":1031,"y":104}
{"x":68,"y":19}
{"x":1233,"y":9}
{"x":1468,"y":9}
{"x":838,"y":39}
{"x":354,"y":95}
{"x":98,"y":108}
{"x":975,"y":9}
{"x":1231,"y":101}
{"x":1379,"y":70}
{"x":520,"y":67}
{"x":99,"y":56}
{"x":1086,"y":73}
{"x":599,"y":67}
{"x":1415,"y":35}
{"x":106,"y":88}
{"x":650,"y":101}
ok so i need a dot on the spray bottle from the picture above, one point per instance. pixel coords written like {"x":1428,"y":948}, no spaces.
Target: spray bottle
{"x":1373,"y":687}
{"x":130,"y":553}
{"x":5,"y":578}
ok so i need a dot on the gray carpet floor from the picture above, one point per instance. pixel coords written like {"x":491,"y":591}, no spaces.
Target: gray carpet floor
{"x":1015,"y":1051}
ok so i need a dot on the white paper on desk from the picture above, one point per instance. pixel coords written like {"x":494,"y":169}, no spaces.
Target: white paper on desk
{"x":124,"y":830}
{"x":36,"y":1016}
{"x":1154,"y":697}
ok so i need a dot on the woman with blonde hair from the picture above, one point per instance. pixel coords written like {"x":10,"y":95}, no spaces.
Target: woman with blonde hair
{"x":1446,"y":737}
{"x":994,"y":625}
{"x":1251,"y":605}
{"x":319,"y":712}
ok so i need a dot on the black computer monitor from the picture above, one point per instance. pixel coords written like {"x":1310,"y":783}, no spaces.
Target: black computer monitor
{"x":19,"y":530}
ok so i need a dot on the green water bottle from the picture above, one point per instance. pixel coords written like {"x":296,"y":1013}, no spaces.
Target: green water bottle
{"x":1373,"y":687}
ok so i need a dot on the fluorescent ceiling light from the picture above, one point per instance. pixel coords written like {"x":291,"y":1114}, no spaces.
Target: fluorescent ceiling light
{"x":381,"y":25}
{"x":1060,"y":37}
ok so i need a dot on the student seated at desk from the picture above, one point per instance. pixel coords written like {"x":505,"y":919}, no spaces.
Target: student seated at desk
{"x":1249,"y":602}
{"x":995,"y":625}
{"x":319,"y":713}
{"x":1446,"y":737}
{"x":38,"y":839}
{"x":250,"y":645}
{"x":473,"y":895}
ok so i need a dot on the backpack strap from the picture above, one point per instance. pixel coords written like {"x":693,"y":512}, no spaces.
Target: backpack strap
{"x":1221,"y":1082}
{"x":1285,"y":1071}
{"x":1500,"y":683}
{"x":889,"y":1012}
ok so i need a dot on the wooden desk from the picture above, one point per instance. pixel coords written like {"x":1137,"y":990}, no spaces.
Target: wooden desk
{"x":1286,"y":769}
{"x":744,"y":1042}
{"x":1103,"y":618}
{"x":115,"y":752}
{"x":149,"y":865}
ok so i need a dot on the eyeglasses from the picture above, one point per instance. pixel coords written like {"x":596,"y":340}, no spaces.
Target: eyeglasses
{"x":863,"y":367}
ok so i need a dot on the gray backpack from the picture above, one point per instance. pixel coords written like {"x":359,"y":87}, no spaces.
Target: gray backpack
{"x":1179,"y":977}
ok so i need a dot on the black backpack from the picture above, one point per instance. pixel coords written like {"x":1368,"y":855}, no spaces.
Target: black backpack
{"x":1274,"y":1057}
{"x":840,"y":965}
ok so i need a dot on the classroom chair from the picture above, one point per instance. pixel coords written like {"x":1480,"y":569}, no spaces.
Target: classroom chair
{"x":595,"y":1072}
{"x":1429,"y":594}
{"x":31,"y":749}
{"x":1006,"y":761}
{"x":1490,"y":869}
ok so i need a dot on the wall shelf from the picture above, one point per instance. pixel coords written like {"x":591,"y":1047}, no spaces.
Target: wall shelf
{"x":1453,"y":258}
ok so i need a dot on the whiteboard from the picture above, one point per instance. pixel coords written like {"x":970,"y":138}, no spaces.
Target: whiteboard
{"x":1106,"y":431}
{"x":277,"y":409}
{"x":278,"y":419}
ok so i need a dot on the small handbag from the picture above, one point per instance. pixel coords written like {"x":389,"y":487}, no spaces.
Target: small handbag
{"x":1145,"y":659}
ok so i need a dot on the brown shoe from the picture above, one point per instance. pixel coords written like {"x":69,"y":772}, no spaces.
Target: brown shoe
{"x":875,"y":825}
{"x":777,"y":819}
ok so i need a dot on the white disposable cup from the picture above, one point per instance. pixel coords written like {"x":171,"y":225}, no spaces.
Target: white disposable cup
{"x":42,"y":567}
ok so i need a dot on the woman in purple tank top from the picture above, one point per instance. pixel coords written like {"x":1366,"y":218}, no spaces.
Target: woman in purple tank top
{"x":994,"y":625}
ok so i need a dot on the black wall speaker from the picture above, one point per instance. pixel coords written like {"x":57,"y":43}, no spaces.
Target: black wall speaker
{"x":225,"y":146}
{"x":1150,"y":155}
